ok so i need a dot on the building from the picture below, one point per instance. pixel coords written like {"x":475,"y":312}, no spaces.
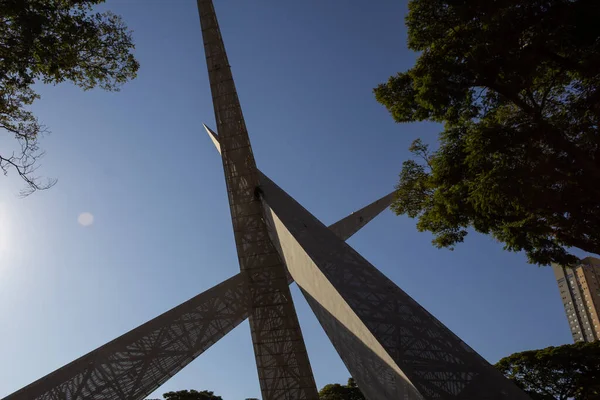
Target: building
{"x":580,"y":292}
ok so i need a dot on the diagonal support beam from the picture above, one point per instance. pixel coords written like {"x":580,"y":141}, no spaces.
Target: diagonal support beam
{"x":135,"y":364}
{"x":390,"y":344}
{"x":176,"y":338}
{"x":368,"y":361}
{"x":393,"y":347}
{"x":282,"y":362}
{"x":345,"y":227}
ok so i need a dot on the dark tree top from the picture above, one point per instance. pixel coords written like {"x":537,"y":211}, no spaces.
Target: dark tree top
{"x":52,"y":41}
{"x":565,"y":372}
{"x":516,"y":85}
{"x":191,"y":395}
{"x":335,"y":391}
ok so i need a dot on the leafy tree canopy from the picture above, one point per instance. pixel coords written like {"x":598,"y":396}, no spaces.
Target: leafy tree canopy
{"x":564,"y":372}
{"x":335,"y":391}
{"x":516,"y":86}
{"x":52,"y":41}
{"x":191,"y":395}
{"x":329,"y":392}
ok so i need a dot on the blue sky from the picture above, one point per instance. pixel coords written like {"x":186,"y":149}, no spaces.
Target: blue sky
{"x":140,"y":163}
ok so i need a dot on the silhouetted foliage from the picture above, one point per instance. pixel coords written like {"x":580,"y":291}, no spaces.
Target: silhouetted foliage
{"x":329,"y":392}
{"x":191,"y":395}
{"x":52,"y":41}
{"x":516,"y":85}
{"x":335,"y":391}
{"x":564,"y":372}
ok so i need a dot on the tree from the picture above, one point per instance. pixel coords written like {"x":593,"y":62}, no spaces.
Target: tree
{"x":52,"y":41}
{"x":191,"y":395}
{"x":564,"y":372}
{"x":335,"y":391}
{"x":516,"y":85}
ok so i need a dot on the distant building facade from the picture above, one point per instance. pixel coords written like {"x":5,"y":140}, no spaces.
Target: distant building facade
{"x":580,"y":292}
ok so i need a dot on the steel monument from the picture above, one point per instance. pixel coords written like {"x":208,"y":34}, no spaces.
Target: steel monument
{"x":391,"y":345}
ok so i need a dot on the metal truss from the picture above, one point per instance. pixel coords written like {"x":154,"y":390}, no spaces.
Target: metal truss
{"x":284,"y":370}
{"x":138,"y":362}
{"x":374,"y":324}
{"x":346,"y":227}
{"x":391,"y":345}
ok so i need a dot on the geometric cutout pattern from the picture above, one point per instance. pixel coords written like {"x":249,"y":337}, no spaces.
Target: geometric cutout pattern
{"x":138,"y":362}
{"x":429,"y":361}
{"x":282,"y":362}
{"x":391,"y":345}
{"x":209,"y":316}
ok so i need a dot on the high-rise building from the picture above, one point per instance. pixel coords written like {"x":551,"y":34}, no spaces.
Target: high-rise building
{"x":580,"y":292}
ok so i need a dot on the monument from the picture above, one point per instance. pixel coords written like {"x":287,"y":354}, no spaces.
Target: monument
{"x":391,"y":345}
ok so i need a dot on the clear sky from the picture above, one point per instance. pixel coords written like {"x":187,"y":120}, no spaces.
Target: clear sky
{"x":141,"y":164}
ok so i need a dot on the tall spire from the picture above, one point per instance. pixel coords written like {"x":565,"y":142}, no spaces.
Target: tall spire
{"x":282,"y":361}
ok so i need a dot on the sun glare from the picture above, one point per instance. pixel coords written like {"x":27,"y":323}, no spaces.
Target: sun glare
{"x":85,"y":219}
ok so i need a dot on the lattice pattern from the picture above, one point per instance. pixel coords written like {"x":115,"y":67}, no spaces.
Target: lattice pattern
{"x":283,"y":367}
{"x":213,"y":314}
{"x":436,"y":362}
{"x":376,"y":379}
{"x":346,"y":227}
{"x":138,"y":362}
{"x":432,"y":359}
